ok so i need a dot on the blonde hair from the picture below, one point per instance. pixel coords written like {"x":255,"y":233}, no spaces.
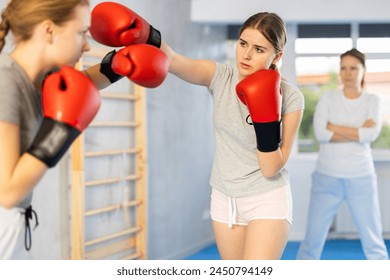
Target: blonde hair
{"x":21,"y":16}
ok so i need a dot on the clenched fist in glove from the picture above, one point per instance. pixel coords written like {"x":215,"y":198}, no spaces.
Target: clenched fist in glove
{"x":70,"y":101}
{"x":261,"y":94}
{"x":115,"y":25}
{"x":143,"y":64}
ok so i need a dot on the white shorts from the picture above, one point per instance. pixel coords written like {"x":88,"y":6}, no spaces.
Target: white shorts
{"x":275,"y":204}
{"x":11,"y":225}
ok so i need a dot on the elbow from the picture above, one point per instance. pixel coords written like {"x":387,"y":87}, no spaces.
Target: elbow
{"x":323,"y":135}
{"x":323,"y":138}
{"x":7,"y":206}
{"x":367,"y":136}
{"x":367,"y":140}
{"x":7,"y":200}
{"x":7,"y":203}
{"x":269,"y":172}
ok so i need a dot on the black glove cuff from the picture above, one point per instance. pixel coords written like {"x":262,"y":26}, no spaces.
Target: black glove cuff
{"x":268,"y":136}
{"x":106,"y":69}
{"x":154,"y":37}
{"x":52,"y":141}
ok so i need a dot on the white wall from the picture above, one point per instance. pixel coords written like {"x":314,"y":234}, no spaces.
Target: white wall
{"x":233,"y":11}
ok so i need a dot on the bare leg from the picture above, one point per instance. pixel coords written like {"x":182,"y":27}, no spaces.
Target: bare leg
{"x":230,"y":241}
{"x":266,"y":239}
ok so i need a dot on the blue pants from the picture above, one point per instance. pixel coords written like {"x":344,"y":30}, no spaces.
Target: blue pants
{"x":361,"y":196}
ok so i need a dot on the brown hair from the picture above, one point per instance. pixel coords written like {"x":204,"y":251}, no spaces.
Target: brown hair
{"x":359,"y":56}
{"x":22,"y":16}
{"x":271,"y":26}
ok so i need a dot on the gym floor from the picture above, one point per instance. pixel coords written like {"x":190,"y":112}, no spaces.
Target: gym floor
{"x":335,"y":249}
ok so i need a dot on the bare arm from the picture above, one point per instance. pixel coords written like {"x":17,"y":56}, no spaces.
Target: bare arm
{"x":194,"y":71}
{"x":270,"y":163}
{"x":18,"y":174}
{"x":100,"y":80}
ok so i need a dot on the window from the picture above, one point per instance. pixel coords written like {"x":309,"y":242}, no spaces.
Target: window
{"x":317,"y":51}
{"x":322,"y":45}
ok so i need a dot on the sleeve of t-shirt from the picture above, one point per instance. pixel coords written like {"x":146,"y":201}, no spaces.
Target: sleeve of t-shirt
{"x":9,"y":99}
{"x":292,"y":99}
{"x":221,"y":74}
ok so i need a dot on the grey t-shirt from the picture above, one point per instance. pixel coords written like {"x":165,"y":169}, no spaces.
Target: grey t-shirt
{"x":20,"y":104}
{"x":235,"y":169}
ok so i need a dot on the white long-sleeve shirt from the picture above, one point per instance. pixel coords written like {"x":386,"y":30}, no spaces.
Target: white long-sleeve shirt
{"x":346,"y":159}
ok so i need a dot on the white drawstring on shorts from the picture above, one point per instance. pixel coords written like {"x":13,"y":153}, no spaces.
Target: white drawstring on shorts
{"x":232,"y":211}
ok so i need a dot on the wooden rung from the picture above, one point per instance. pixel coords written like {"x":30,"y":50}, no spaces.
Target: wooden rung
{"x":132,"y":256}
{"x":114,"y":207}
{"x":132,"y":177}
{"x":119,"y":96}
{"x":110,"y":249}
{"x":111,"y":124}
{"x":112,"y":236}
{"x":112,"y":152}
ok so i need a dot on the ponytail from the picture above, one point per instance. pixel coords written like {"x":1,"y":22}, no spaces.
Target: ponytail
{"x":4,"y":28}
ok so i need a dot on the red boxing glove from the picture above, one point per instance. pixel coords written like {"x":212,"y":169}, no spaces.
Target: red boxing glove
{"x":261,"y":93}
{"x":115,"y":25}
{"x":69,"y":96}
{"x":70,"y":101}
{"x":143,"y":64}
